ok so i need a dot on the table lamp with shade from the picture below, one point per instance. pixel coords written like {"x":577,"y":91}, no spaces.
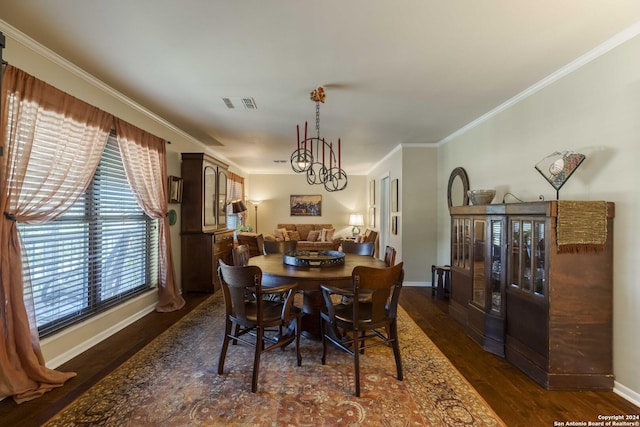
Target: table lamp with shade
{"x":239,"y":208}
{"x":356,"y":221}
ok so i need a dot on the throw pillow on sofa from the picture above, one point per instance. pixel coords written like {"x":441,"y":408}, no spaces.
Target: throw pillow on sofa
{"x":327,"y":235}
{"x":313,"y":236}
{"x":293,"y":235}
{"x":282,"y":234}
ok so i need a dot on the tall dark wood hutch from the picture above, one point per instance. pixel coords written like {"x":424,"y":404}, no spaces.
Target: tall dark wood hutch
{"x":548,"y":313}
{"x":205,"y":237}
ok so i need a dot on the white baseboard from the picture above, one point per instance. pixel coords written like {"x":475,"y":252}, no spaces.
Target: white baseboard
{"x":61,"y":358}
{"x":626,"y":393}
{"x":417,"y":284}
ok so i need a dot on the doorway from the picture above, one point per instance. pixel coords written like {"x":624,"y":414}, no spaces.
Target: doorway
{"x":385,"y":214}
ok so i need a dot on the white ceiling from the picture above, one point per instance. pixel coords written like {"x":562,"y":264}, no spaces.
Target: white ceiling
{"x":403,"y":71}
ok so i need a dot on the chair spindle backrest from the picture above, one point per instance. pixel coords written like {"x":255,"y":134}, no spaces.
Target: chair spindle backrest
{"x":390,"y":256}
{"x":241,"y":255}
{"x":365,"y":248}
{"x":272,"y":247}
{"x":382,"y":283}
{"x":236,"y":281}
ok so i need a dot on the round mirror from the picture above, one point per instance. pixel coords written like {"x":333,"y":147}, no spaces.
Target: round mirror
{"x":458,"y":187}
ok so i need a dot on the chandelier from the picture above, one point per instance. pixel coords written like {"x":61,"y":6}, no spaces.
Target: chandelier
{"x":317,"y":158}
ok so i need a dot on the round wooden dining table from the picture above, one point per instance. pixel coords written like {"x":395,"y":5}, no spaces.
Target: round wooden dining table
{"x":275,"y":272}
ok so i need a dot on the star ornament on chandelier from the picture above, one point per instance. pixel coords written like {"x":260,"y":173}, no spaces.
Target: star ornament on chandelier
{"x":318,"y":95}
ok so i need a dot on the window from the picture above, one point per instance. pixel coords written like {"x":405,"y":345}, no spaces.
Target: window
{"x":235,"y":191}
{"x":99,"y":253}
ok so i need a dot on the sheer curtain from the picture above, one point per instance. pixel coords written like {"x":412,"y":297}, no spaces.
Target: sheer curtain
{"x":144,"y":159}
{"x":235,"y":191}
{"x":70,"y":136}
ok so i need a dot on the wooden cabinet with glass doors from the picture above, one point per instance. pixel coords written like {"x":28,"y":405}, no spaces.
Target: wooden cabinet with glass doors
{"x":559,"y":306}
{"x":477,"y":281}
{"x":460,"y":292}
{"x":205,"y":237}
{"x":548,"y":313}
{"x":486,"y":314}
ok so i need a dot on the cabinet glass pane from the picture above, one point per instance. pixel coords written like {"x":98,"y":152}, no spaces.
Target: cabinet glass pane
{"x":539,"y":259}
{"x":222,"y":198}
{"x":479,"y":283}
{"x":496,"y":265}
{"x":526,"y":255}
{"x":466,"y":248}
{"x":514,"y":271}
{"x":455,"y":245}
{"x":209,"y":195}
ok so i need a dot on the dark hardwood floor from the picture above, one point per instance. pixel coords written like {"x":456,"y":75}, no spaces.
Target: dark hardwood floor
{"x":514,"y":396}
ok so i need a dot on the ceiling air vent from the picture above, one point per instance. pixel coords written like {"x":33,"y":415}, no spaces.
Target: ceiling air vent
{"x":238,"y":102}
{"x":228,"y":103}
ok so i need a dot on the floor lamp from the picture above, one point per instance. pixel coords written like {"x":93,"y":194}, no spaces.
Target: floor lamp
{"x":255,"y":204}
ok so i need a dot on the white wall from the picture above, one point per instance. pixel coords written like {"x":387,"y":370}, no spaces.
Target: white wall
{"x":416,"y":168}
{"x":275,"y":190}
{"x":390,"y":166}
{"x":418,"y":212}
{"x":594,"y":110}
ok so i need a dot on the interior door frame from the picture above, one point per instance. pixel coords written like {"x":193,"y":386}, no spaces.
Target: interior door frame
{"x":385,"y":212}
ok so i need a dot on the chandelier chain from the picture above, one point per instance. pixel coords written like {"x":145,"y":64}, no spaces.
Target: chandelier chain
{"x":318,"y":119}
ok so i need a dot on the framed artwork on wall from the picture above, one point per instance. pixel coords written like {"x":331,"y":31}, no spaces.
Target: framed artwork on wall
{"x":394,"y":224}
{"x":303,"y":205}
{"x":372,"y":192}
{"x":175,"y":189}
{"x":394,"y":195}
{"x":372,"y":217}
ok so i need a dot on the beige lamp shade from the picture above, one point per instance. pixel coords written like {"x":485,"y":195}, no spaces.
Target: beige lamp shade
{"x":356,"y":221}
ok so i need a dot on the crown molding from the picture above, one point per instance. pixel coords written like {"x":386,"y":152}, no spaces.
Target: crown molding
{"x":580,"y":62}
{"x":50,"y":55}
{"x":382,"y":160}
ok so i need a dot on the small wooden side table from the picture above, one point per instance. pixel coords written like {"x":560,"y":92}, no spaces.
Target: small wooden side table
{"x":441,"y":291}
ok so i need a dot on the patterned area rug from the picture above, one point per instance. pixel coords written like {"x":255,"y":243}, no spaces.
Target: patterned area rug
{"x":173,"y":381}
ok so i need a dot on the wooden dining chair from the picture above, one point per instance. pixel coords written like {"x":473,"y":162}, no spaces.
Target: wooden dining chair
{"x":390,"y":256}
{"x":364,"y":323}
{"x":351,"y":247}
{"x":240,"y":255}
{"x":253,"y":240}
{"x":273,"y":247}
{"x":274,"y":324}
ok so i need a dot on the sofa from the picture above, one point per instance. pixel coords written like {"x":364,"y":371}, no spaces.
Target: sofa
{"x":310,"y":237}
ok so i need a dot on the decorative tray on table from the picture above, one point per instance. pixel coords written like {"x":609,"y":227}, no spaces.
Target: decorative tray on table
{"x":313,"y":258}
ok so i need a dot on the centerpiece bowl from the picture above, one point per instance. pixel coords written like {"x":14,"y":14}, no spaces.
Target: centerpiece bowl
{"x":313,"y":258}
{"x":481,"y":197}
